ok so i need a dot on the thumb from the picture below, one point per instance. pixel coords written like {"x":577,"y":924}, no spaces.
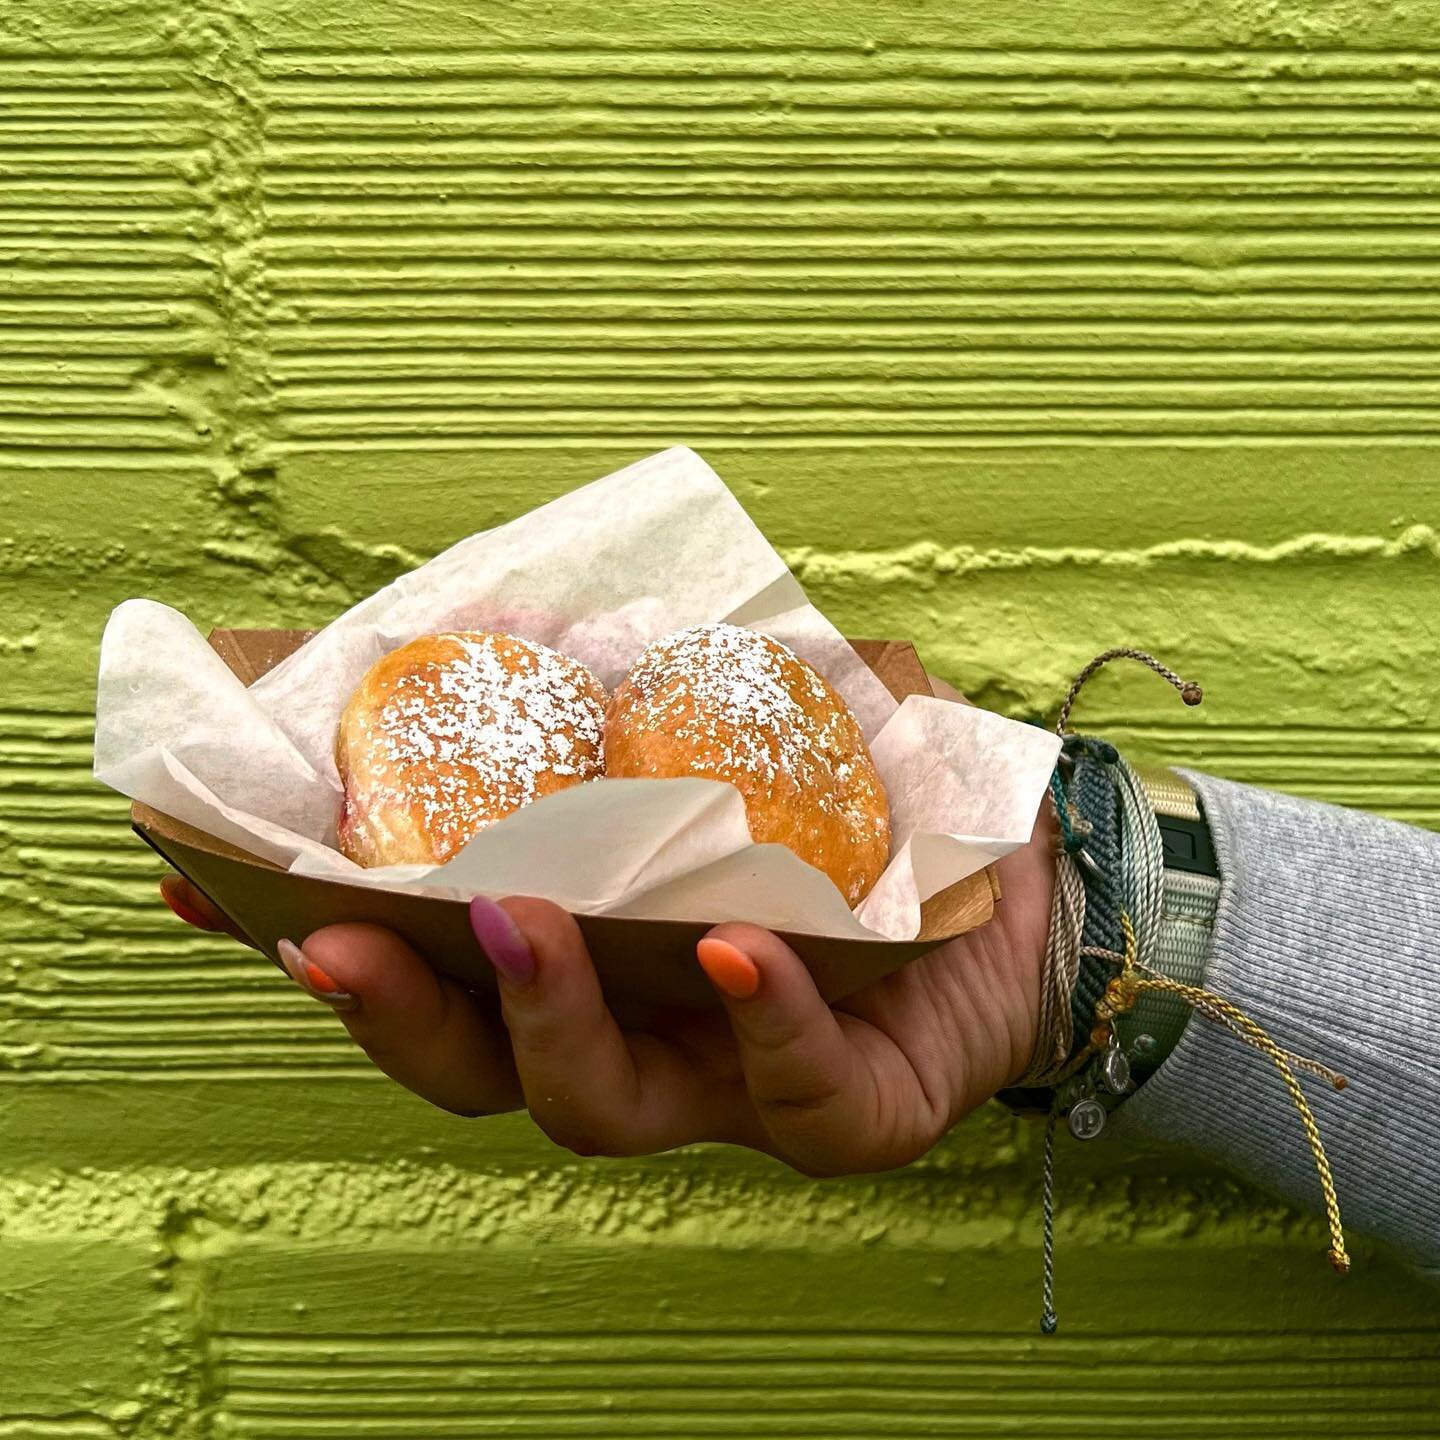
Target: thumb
{"x":800,"y":1067}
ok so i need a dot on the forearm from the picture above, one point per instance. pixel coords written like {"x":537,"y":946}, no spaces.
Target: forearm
{"x":1326,"y":933}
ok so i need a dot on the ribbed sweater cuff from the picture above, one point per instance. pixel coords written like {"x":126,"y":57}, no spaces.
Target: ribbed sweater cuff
{"x":1326,"y":933}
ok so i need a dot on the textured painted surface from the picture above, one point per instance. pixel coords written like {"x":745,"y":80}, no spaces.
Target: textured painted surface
{"x":1022,"y":329}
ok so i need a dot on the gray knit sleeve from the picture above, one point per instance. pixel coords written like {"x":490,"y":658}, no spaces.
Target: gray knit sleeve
{"x":1327,"y":933}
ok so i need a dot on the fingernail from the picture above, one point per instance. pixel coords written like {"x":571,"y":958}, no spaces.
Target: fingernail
{"x":502,"y":942}
{"x":731,"y":970}
{"x":180,"y":908}
{"x":310,"y":977}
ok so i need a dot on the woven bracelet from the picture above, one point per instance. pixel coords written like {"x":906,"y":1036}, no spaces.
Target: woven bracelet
{"x":1093,"y":972}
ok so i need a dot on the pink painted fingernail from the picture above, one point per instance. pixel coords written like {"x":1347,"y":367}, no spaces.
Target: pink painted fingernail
{"x":312,"y":979}
{"x":502,"y":942}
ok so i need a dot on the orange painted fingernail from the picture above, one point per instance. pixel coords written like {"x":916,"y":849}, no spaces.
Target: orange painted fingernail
{"x":311,"y":978}
{"x":185,"y":913}
{"x":319,"y":980}
{"x":731,"y":970}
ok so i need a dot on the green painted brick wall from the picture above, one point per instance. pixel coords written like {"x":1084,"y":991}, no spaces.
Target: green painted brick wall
{"x":1021,"y":329}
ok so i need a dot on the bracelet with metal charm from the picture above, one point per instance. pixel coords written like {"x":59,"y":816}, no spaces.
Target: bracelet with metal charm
{"x":1171,"y":886}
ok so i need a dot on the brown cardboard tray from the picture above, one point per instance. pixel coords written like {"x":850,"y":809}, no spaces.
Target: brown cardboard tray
{"x":640,"y":962}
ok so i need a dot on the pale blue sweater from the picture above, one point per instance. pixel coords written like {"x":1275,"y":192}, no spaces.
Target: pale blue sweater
{"x":1328,"y":933}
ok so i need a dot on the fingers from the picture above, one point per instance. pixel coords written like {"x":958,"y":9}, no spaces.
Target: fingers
{"x":574,"y":1066}
{"x":587,"y":1085}
{"x":195,"y":908}
{"x":420,"y":1028}
{"x":802,"y":1070}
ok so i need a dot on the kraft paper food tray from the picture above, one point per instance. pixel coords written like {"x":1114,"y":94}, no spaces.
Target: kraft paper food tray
{"x":647,"y":962}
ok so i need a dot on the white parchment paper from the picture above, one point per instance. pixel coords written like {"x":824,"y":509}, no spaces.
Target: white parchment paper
{"x":597,"y":574}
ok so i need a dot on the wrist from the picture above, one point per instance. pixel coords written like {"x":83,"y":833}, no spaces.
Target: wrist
{"x":1156,"y":891}
{"x":1022,"y":925}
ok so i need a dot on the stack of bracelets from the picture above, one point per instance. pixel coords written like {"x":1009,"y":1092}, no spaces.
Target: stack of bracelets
{"x":1136,"y":890}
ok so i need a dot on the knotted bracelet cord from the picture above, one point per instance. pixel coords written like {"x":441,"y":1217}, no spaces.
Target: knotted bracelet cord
{"x":1127,"y":987}
{"x":1057,"y":1057}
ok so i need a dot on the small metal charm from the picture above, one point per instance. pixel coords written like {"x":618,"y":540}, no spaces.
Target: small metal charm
{"x":1115,"y":1070}
{"x":1086,"y":1118}
{"x":1140,"y":1046}
{"x":1089,"y":864}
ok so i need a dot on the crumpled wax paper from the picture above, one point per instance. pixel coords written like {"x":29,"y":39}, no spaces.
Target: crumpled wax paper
{"x":597,"y":574}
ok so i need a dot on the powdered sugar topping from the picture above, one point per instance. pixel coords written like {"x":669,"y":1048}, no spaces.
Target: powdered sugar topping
{"x":468,"y":737}
{"x":754,"y":706}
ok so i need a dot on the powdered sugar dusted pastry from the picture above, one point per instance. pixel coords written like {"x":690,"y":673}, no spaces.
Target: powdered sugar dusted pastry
{"x":452,"y":732}
{"x":726,"y":703}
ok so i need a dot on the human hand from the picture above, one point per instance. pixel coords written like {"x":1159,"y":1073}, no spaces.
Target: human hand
{"x":868,"y":1084}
